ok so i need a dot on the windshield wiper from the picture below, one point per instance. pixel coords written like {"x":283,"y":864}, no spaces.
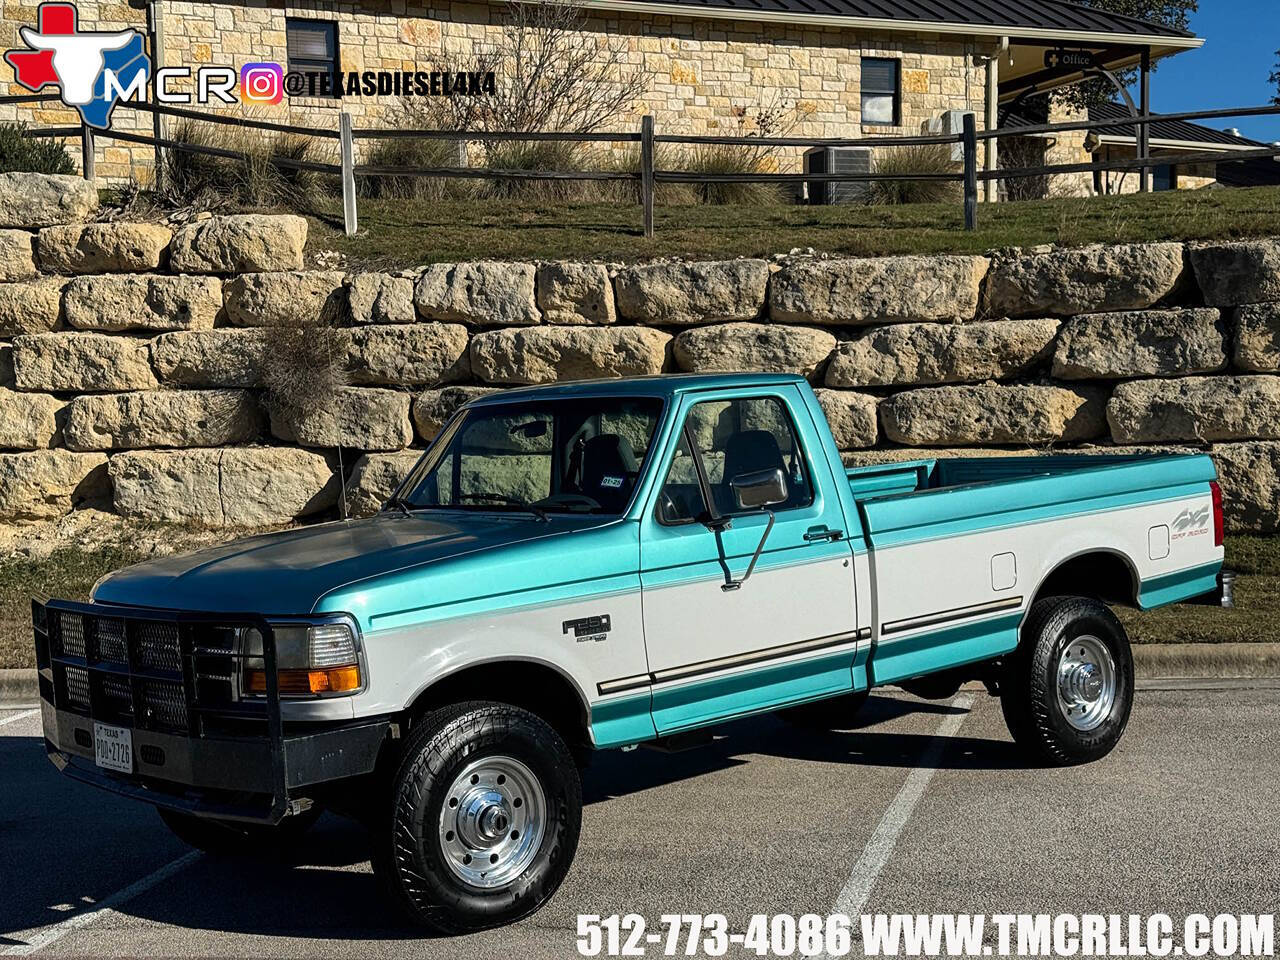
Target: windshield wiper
{"x":400,"y":503}
{"x":508,"y":501}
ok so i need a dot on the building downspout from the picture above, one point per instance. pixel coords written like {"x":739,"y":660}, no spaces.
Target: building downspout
{"x":1144,"y":130}
{"x":991,"y":159}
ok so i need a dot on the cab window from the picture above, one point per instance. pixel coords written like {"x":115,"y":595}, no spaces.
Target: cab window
{"x":724,"y":439}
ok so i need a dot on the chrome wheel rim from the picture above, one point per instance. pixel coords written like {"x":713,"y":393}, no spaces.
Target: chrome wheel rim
{"x":492,"y":822}
{"x":1086,"y":682}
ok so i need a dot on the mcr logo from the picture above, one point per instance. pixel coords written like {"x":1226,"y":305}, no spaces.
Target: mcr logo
{"x":92,"y":70}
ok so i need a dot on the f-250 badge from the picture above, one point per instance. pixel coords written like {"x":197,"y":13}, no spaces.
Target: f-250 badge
{"x":589,"y":629}
{"x":1191,"y":523}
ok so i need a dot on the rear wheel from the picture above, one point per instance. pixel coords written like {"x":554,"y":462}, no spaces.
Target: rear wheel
{"x":1068,"y":690}
{"x":486,"y":809}
{"x":231,"y":838}
{"x":836,"y":713}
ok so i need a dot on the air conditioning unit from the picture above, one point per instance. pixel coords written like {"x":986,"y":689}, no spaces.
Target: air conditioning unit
{"x":948,"y":124}
{"x":837,"y":160}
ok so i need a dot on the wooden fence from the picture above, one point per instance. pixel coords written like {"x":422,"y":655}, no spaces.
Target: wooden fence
{"x":648,"y":176}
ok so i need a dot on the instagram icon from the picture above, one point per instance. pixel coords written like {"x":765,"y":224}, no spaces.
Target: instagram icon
{"x":262,"y":83}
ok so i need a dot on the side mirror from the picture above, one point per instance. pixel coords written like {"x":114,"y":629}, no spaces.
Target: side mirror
{"x":759,"y":489}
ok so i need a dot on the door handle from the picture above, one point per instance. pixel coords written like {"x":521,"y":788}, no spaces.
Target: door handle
{"x":822,"y":535}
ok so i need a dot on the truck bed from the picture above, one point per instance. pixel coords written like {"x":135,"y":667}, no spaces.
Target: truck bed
{"x":919,"y":499}
{"x":959,"y":548}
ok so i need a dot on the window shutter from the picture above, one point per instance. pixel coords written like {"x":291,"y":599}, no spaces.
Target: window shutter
{"x":879,"y":76}
{"x":309,"y":41}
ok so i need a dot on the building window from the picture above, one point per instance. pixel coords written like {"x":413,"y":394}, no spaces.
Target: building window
{"x":881,"y":91}
{"x":312,"y":45}
{"x":1165,"y":177}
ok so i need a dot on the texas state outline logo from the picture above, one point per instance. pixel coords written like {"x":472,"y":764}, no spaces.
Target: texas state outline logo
{"x":92,"y":70}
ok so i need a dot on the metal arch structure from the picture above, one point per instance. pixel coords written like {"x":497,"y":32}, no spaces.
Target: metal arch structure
{"x":1100,"y":72}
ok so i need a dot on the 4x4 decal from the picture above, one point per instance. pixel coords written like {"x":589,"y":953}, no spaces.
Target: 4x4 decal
{"x":1191,"y":523}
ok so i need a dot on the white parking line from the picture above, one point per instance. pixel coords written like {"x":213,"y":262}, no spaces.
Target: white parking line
{"x":18,"y":716}
{"x":101,"y":909}
{"x":879,"y":848}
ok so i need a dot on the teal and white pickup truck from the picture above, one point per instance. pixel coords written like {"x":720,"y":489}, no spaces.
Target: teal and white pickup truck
{"x":604,"y":565}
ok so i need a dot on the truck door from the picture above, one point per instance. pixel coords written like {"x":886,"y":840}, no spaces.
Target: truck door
{"x":719,"y":647}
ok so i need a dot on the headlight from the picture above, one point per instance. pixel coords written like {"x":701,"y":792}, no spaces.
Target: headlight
{"x":311,"y":660}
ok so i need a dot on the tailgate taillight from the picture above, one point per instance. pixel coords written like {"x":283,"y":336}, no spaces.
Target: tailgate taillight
{"x":1218,"y":523}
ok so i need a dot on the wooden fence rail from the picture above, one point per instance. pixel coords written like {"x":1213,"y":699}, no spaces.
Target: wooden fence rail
{"x":648,"y":176}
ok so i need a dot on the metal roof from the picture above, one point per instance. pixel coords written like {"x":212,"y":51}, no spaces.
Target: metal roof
{"x":1174,"y":131}
{"x":1248,"y":173}
{"x":1050,"y":16}
{"x":1163,"y":132}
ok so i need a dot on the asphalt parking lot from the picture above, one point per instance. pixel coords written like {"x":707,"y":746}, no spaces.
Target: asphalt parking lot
{"x":926,"y":808}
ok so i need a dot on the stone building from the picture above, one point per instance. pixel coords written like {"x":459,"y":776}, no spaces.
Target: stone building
{"x":1171,"y":142}
{"x":848,"y":68}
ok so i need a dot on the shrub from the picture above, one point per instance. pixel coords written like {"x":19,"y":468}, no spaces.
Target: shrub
{"x":304,"y":365}
{"x":414,"y":153}
{"x":933,"y":158}
{"x":254,"y":180}
{"x":22,"y":153}
{"x":773,"y":117}
{"x":540,"y":155}
{"x":552,"y":70}
{"x":730,"y":158}
{"x":1020,"y":152}
{"x":666,"y":157}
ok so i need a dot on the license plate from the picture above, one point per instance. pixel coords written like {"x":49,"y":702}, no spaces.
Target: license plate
{"x":113,"y":747}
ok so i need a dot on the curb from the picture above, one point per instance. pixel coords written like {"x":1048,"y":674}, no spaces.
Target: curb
{"x":1172,"y":661}
{"x":1216,"y":661}
{"x":19,"y":686}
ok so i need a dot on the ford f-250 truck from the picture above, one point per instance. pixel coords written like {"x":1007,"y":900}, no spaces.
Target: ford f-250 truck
{"x":602,"y":565}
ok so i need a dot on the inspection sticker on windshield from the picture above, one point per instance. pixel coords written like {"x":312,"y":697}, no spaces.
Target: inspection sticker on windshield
{"x":612,"y":483}
{"x":113,"y":747}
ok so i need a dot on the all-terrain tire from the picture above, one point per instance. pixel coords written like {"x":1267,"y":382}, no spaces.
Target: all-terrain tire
{"x":834,"y":713}
{"x":1058,"y":631}
{"x":409,"y":842}
{"x":228,"y":838}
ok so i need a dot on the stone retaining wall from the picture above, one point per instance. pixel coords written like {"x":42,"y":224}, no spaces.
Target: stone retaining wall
{"x":130,"y":355}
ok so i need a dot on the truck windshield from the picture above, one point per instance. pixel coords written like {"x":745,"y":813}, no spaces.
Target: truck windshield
{"x":554,"y":456}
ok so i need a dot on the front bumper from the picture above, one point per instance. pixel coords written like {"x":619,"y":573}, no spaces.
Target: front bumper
{"x":194,"y":750}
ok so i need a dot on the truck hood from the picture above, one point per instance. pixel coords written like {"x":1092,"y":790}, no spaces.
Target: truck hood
{"x":288,"y":572}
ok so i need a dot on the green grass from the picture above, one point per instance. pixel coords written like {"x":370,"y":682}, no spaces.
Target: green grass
{"x":405,"y":233}
{"x":1257,"y":597}
{"x":69,"y":573}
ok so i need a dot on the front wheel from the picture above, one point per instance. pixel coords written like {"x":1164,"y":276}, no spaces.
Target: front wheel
{"x":1068,"y":690}
{"x":486,"y":810}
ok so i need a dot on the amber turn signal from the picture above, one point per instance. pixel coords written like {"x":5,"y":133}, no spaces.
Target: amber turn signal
{"x":295,"y":682}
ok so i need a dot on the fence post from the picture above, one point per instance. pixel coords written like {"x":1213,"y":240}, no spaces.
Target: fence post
{"x":87,"y":160}
{"x":646,"y":172}
{"x":347,"y":149}
{"x":970,"y":140}
{"x":155,"y":20}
